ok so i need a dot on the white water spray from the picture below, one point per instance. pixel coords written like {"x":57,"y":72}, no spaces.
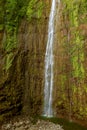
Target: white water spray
{"x":48,"y":111}
{"x":49,"y":66}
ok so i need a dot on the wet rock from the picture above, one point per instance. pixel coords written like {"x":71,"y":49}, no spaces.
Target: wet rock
{"x":24,"y":124}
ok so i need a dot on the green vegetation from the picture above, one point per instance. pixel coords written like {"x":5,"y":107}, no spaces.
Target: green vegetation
{"x":71,"y":74}
{"x":12,"y":14}
{"x":74,"y":13}
{"x":34,"y":9}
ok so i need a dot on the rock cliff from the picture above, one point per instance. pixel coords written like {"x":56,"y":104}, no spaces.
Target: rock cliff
{"x":22,"y":85}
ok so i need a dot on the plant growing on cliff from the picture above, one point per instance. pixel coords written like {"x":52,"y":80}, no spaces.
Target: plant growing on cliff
{"x":34,"y":9}
{"x":75,"y":11}
{"x":2,"y":14}
{"x":12,"y":14}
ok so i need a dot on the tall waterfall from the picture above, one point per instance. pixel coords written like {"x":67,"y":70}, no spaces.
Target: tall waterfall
{"x":49,"y":61}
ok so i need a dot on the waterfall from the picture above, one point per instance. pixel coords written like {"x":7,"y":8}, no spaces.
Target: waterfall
{"x":49,"y":61}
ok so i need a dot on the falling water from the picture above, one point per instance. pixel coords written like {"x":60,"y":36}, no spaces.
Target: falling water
{"x":49,"y":65}
{"x":48,"y":111}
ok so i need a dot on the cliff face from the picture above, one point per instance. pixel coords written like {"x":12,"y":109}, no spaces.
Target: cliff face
{"x":22,"y":85}
{"x":69,"y":65}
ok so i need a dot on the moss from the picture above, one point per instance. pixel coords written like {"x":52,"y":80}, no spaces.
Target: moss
{"x":34,"y":9}
{"x":11,"y":16}
{"x":1,"y":27}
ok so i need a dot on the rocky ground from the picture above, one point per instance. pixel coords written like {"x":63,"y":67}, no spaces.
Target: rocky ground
{"x":26,"y":124}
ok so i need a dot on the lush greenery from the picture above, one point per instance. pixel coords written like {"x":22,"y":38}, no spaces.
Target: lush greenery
{"x":71,"y":68}
{"x":74,"y":43}
{"x":13,"y":11}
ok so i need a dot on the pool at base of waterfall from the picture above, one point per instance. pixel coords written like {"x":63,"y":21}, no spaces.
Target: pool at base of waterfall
{"x":66,"y":124}
{"x":40,"y":123}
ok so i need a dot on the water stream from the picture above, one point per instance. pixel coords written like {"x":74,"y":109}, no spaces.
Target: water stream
{"x":49,"y":65}
{"x":49,"y":61}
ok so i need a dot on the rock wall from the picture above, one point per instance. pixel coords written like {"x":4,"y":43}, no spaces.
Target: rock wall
{"x":69,"y":98}
{"x":22,"y":87}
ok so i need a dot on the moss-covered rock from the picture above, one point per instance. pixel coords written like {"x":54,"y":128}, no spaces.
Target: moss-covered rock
{"x":23,"y":38}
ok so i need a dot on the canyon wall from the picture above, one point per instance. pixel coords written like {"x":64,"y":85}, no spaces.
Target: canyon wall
{"x":22,"y":85}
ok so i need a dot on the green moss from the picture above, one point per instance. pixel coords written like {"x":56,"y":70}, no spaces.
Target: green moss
{"x":12,"y":14}
{"x":1,"y":27}
{"x":34,"y":9}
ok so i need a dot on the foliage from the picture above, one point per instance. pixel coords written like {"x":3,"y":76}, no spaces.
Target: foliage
{"x":1,"y":15}
{"x":12,"y":14}
{"x":9,"y":59}
{"x":34,"y":9}
{"x":75,"y":12}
